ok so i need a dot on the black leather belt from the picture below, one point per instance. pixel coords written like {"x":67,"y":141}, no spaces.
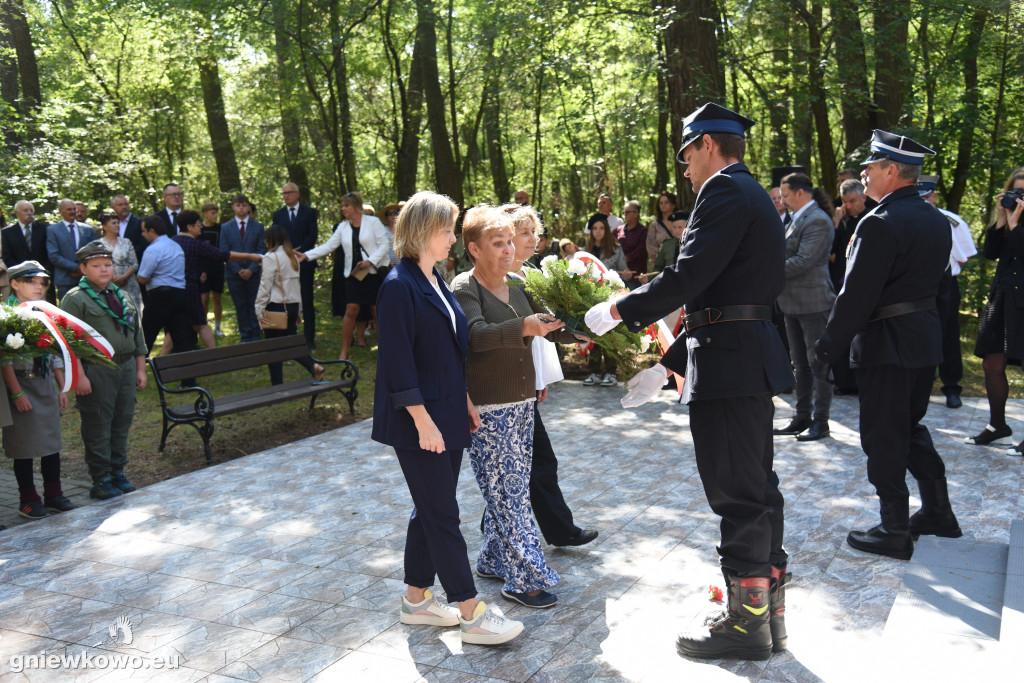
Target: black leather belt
{"x":902,"y":308}
{"x":726,"y":314}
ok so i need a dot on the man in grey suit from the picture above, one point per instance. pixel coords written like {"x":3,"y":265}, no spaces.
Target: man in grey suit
{"x":806,"y":301}
{"x":63,"y":239}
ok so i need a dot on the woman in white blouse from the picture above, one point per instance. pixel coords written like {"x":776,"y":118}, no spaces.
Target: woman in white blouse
{"x":280,"y":291}
{"x":365,"y":243}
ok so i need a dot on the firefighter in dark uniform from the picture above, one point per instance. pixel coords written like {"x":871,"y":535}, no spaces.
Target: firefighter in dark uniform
{"x":729,"y":273}
{"x":887,"y":308}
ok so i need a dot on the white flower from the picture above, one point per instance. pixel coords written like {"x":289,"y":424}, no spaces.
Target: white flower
{"x":547,"y":263}
{"x":24,"y":312}
{"x":613,"y":279}
{"x":577,"y":267}
{"x":15,"y":341}
{"x":645,"y":343}
{"x":4,"y":315}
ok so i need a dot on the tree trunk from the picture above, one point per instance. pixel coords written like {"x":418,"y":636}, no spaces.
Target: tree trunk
{"x":819,"y":104}
{"x":661,"y":150}
{"x":802,"y":120}
{"x":492,"y":133}
{"x":9,"y":90}
{"x":348,"y":148}
{"x":447,"y":175}
{"x":852,"y":73}
{"x":410,"y":109}
{"x":892,"y":66}
{"x":291,"y":132}
{"x":694,"y":73}
{"x":28,"y":71}
{"x":217,"y":123}
{"x":538,"y":156}
{"x":969,"y":63}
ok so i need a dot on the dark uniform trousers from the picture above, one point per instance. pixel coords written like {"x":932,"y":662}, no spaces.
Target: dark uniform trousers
{"x":549,"y":507}
{"x":434,"y":545}
{"x":947,"y":300}
{"x":893,"y":401}
{"x":168,"y":309}
{"x":107,"y":415}
{"x":732,"y":440}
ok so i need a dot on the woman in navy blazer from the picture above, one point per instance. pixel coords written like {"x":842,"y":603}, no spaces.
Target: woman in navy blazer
{"x":417,"y":409}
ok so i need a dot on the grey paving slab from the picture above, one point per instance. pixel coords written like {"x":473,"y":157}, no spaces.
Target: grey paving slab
{"x":298,"y":578}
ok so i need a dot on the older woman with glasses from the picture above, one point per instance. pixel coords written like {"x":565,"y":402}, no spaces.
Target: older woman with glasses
{"x":503,"y":321}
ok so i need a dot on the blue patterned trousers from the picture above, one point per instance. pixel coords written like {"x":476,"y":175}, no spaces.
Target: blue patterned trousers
{"x":501,"y":453}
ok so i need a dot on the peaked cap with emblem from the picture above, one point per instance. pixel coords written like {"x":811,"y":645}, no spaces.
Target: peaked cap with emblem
{"x":27,"y":269}
{"x":94,"y":249}
{"x":926,"y":184}
{"x":712,"y":118}
{"x":886,"y":145}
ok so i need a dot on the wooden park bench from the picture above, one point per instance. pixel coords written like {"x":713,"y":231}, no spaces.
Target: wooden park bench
{"x":178,"y":367}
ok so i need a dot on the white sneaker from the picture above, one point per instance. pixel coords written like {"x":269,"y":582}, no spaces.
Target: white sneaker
{"x":217,"y":333}
{"x":488,"y":626}
{"x":592,"y":380}
{"x":429,"y":612}
{"x":609,"y":380}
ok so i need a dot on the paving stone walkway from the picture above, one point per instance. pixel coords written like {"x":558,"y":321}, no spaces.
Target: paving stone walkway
{"x":286,"y":565}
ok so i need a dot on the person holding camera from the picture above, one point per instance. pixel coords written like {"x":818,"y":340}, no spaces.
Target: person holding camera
{"x":1001,"y":327}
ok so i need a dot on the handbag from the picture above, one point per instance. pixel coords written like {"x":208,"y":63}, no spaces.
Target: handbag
{"x":277,"y":320}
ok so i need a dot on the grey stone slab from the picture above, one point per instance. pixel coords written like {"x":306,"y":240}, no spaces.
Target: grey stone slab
{"x":913,"y":614}
{"x":1017,"y":533}
{"x":211,"y":647}
{"x":274,"y":613}
{"x":985,"y":588}
{"x":365,"y":666}
{"x":284,"y":659}
{"x":959,"y":553}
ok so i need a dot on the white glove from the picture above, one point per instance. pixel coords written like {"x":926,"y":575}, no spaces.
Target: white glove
{"x":645,"y":386}
{"x":599,"y":318}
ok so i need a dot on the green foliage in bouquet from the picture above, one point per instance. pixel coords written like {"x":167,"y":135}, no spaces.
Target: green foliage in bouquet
{"x":568,"y":289}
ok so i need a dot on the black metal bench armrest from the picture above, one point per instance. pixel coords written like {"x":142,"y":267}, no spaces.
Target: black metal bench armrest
{"x":204,"y":401}
{"x":350,"y":372}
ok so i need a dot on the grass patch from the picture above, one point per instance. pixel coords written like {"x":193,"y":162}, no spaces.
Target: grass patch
{"x":234,"y":436}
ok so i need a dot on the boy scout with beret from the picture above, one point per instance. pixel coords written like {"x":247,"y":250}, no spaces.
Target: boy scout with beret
{"x":106,"y":396}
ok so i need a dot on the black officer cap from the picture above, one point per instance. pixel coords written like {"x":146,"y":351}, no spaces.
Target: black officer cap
{"x":712,"y":118}
{"x":886,"y":145}
{"x":926,"y":184}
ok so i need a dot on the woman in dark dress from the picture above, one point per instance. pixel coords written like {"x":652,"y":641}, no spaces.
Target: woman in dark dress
{"x":1001,"y":327}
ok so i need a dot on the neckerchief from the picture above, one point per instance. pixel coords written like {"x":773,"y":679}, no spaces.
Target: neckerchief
{"x":125,"y":320}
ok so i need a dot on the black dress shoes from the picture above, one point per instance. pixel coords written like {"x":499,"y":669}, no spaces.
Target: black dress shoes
{"x":582,"y":537}
{"x":795,"y":426}
{"x":817,"y":430}
{"x":953,"y":401}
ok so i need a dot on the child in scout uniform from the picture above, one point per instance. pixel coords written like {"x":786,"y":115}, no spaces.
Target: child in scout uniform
{"x":106,"y":396}
{"x":36,"y":403}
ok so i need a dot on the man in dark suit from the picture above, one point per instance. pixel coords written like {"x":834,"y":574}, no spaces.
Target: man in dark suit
{"x":63,"y":240}
{"x":300,"y":222}
{"x":174,"y":201}
{"x":244,"y":234}
{"x":25,"y":240}
{"x":729,"y":273}
{"x":806,"y":302}
{"x":888,"y":309}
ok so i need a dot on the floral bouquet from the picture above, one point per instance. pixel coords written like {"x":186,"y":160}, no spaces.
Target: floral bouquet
{"x":569,"y":288}
{"x":36,"y":328}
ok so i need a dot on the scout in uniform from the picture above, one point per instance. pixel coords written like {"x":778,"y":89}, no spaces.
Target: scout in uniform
{"x":106,"y":396}
{"x":887,"y":313}
{"x":729,"y":272}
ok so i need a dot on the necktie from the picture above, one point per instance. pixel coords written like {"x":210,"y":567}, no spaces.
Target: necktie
{"x":174,"y":219}
{"x":74,"y":236}
{"x":241,"y":228}
{"x":293,"y":213}
{"x":114,"y":304}
{"x":28,"y":233}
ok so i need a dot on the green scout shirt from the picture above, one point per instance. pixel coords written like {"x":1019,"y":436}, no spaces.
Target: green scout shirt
{"x":79,"y":304}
